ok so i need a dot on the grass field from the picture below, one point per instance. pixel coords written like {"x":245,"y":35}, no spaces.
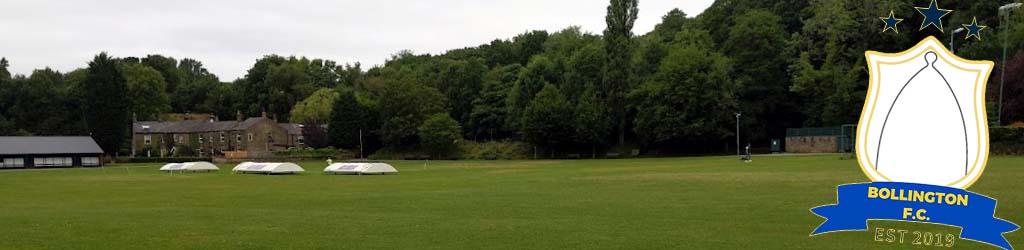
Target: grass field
{"x":677,"y":203}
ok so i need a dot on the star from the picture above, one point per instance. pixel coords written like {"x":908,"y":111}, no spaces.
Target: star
{"x":932,"y":15}
{"x":974,"y":29}
{"x":891,"y":22}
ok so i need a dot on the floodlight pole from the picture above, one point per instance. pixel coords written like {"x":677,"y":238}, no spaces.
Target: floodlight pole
{"x":1002,"y":78}
{"x":737,"y":133}
{"x":951,"y":49}
{"x":361,"y":144}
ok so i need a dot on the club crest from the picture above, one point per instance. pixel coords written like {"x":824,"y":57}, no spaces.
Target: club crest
{"x":922,"y":139}
{"x":924,"y":118}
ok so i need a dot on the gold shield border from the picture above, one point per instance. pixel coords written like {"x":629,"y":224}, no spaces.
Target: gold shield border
{"x":981,"y":115}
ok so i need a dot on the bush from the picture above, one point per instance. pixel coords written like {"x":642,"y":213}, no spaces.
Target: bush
{"x":315,"y":153}
{"x":439,"y":134}
{"x":1006,"y":141}
{"x":466,"y":150}
{"x":161,"y":160}
{"x":505,"y":150}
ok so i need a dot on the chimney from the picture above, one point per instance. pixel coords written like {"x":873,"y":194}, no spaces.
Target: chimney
{"x":239,"y":116}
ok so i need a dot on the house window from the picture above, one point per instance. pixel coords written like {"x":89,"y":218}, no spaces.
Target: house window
{"x":147,"y":139}
{"x":200,"y":152}
{"x":53,"y":161}
{"x":238,"y":137}
{"x":221,"y":136}
{"x":200,"y":139}
{"x":300,"y":140}
{"x":250,"y":136}
{"x":14,"y":163}
{"x":90,"y":161}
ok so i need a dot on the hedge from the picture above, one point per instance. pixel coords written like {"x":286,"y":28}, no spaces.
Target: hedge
{"x":1006,"y":141}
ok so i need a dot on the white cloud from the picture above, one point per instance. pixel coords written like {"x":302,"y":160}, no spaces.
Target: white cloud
{"x":228,"y":36}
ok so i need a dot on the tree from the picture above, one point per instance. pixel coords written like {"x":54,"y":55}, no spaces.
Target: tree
{"x":106,"y":107}
{"x":275,"y":84}
{"x":671,"y":24}
{"x":349,"y":74}
{"x":689,"y":102}
{"x":146,"y":91}
{"x":440,"y":133}
{"x":618,"y":63}
{"x":4,"y":74}
{"x":315,"y":109}
{"x":322,"y":73}
{"x":591,"y":120}
{"x":540,"y":72}
{"x":562,"y":45}
{"x":40,"y":104}
{"x":168,"y":68}
{"x":1013,"y":103}
{"x":7,"y":127}
{"x":403,"y":107}
{"x":350,"y":117}
{"x":314,"y":135}
{"x":583,"y":68}
{"x":489,"y":110}
{"x":827,"y":70}
{"x":288,"y":84}
{"x":528,"y":44}
{"x":461,"y":81}
{"x":764,"y":97}
{"x":548,"y":119}
{"x":200,"y":91}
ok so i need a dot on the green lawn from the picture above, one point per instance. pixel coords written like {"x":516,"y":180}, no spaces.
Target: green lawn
{"x":676,"y":203}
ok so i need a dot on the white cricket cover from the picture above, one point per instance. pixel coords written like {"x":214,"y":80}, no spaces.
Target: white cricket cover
{"x":360,"y":168}
{"x":268,"y":168}
{"x":189,"y":167}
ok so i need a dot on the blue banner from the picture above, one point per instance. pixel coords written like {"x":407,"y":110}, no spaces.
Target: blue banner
{"x":972,"y":212}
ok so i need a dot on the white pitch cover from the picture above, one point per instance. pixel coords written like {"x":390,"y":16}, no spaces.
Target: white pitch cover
{"x":360,"y":168}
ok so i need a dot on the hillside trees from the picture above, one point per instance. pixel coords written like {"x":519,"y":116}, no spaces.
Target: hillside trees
{"x":147,"y":96}
{"x":690,"y":101}
{"x":618,"y":45}
{"x":350,"y":119}
{"x":548,"y":119}
{"x":106,"y":109}
{"x":439,"y":133}
{"x":764,"y":97}
{"x":315,"y":109}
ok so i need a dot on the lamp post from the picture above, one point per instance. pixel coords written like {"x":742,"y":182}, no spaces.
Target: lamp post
{"x":1004,"y":10}
{"x":951,"y":39}
{"x":737,"y":133}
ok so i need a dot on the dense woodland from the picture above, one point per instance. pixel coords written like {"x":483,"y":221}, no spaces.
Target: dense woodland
{"x":674,"y":90}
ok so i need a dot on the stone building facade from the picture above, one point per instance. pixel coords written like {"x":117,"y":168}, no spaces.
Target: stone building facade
{"x":211,"y":137}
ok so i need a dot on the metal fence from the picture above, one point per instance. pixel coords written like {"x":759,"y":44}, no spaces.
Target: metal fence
{"x":845,"y":135}
{"x":826,"y":131}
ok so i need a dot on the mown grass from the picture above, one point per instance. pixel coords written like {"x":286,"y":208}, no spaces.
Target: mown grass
{"x":677,"y":203}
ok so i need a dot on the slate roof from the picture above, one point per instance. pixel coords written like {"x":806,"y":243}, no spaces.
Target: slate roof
{"x":292,"y":128}
{"x":204,"y":126}
{"x":42,"y":145}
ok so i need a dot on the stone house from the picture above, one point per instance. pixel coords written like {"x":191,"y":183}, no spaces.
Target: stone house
{"x":211,"y":137}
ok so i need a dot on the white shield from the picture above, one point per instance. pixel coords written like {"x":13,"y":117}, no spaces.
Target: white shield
{"x":924,"y":118}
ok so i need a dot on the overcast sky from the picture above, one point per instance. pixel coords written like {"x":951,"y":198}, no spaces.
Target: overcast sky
{"x":228,"y":36}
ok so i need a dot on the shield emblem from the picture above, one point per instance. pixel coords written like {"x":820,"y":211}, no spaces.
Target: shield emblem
{"x":924,"y":118}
